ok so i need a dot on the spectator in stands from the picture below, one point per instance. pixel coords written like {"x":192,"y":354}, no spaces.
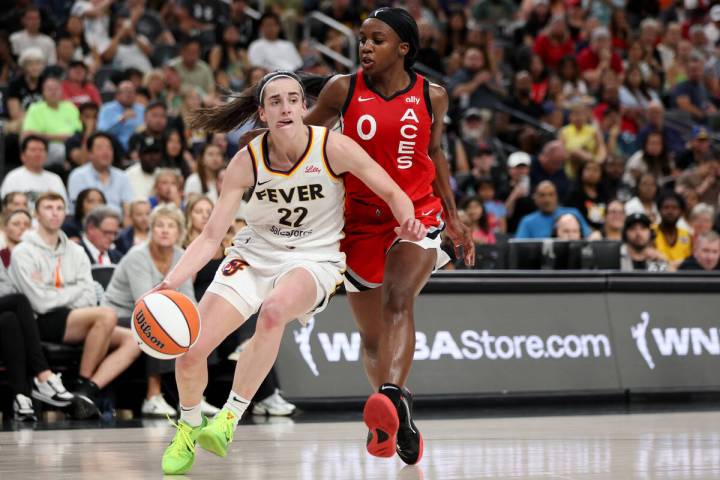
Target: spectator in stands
{"x":20,"y":340}
{"x":550,"y":165}
{"x":15,"y":201}
{"x":555,"y":43}
{"x":76,"y":146}
{"x":483,"y":223}
{"x":494,"y":207}
{"x":636,"y":95}
{"x":614,"y":221}
{"x":672,"y":139}
{"x":540,"y":223}
{"x":95,"y":16}
{"x":574,"y":88}
{"x":226,"y":58}
{"x":86,"y":201}
{"x":54,"y":274}
{"x":518,"y":202}
{"x":81,"y":48}
{"x":582,"y":139}
{"x":193,"y":71}
{"x":15,"y":223}
{"x":674,"y":243}
{"x":204,"y":182}
{"x":699,"y":149}
{"x":173,"y":90}
{"x":522,"y":107}
{"x":53,"y":119}
{"x":588,"y":195}
{"x":102,"y":226}
{"x":270,"y":51}
{"x":653,"y":158}
{"x":567,"y":227}
{"x":76,"y":87}
{"x":176,"y":155}
{"x":637,"y":252}
{"x":156,"y":121}
{"x":168,"y":184}
{"x":644,"y":199}
{"x":25,"y":89}
{"x":706,"y":253}
{"x":474,"y":85}
{"x":153,"y":88}
{"x":122,"y":116}
{"x":483,"y":165}
{"x":65,"y":55}
{"x":138,"y":272}
{"x":691,"y":96}
{"x":139,"y":228}
{"x":702,"y":217}
{"x":142,"y":173}
{"x":31,"y":37}
{"x":197,"y":216}
{"x":712,"y":29}
{"x":127,"y":48}
{"x":99,"y":173}
{"x":613,"y":182}
{"x":598,"y":57}
{"x":31,"y":178}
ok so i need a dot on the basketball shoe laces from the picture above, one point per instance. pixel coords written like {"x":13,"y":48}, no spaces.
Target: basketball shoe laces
{"x":182,"y":439}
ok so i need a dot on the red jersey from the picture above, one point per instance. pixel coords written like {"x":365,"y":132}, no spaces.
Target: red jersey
{"x":395,"y":132}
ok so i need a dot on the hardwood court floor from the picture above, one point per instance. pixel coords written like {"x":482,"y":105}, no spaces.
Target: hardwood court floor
{"x":635,"y":446}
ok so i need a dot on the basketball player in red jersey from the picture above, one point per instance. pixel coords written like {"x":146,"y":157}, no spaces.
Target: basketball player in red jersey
{"x":397,"y":116}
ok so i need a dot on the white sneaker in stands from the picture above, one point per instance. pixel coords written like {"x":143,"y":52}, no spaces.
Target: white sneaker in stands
{"x":156,"y":406}
{"x":274,"y":405}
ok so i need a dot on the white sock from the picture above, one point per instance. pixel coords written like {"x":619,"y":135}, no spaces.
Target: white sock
{"x":191,"y":415}
{"x":236,"y":404}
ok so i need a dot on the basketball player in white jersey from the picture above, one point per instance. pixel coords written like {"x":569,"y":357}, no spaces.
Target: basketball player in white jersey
{"x":288,"y":257}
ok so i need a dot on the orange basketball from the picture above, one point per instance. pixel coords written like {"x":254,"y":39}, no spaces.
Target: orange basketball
{"x":165,"y":324}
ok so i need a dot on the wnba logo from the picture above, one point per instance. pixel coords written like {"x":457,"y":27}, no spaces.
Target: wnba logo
{"x":145,"y":328}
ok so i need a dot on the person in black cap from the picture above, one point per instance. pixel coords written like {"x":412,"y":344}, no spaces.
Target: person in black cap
{"x":637,"y":252}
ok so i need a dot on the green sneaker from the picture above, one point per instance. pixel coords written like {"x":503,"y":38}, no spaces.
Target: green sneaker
{"x":180,"y":454}
{"x":216,"y":436}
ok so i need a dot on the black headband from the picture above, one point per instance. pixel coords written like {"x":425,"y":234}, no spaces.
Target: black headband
{"x":404,"y":25}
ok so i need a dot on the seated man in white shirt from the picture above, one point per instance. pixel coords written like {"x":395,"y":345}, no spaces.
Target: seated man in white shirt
{"x":142,"y":173}
{"x":31,"y":178}
{"x":31,"y":36}
{"x":102,"y":226}
{"x":269,"y":51}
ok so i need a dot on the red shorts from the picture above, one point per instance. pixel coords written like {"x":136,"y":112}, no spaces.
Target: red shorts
{"x":370,"y":232}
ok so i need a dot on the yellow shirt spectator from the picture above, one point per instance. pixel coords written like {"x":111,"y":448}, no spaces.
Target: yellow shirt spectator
{"x":677,"y":252}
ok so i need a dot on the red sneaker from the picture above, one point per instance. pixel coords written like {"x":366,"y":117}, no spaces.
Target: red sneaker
{"x":381,"y":418}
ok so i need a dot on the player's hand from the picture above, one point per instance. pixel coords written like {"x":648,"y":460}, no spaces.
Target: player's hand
{"x":248,"y":136}
{"x":411,"y":230}
{"x":164,"y":285}
{"x":461,"y":237}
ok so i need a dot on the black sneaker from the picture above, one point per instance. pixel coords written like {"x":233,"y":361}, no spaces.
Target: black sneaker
{"x":83,"y":406}
{"x":409,"y":439}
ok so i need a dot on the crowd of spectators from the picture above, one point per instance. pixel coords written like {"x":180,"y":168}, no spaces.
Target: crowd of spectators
{"x":569,"y":119}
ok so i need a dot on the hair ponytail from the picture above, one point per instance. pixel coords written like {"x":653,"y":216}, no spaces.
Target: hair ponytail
{"x":240,"y":108}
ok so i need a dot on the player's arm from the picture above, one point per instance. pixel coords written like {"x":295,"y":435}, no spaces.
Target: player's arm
{"x":329,"y":103}
{"x":457,"y":232}
{"x":239,"y":176}
{"x":345,"y":155}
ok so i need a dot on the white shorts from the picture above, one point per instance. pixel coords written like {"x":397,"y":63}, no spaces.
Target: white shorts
{"x":251,"y":271}
{"x":426,"y":243}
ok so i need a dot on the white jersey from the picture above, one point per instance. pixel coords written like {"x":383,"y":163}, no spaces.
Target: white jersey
{"x":299,"y":209}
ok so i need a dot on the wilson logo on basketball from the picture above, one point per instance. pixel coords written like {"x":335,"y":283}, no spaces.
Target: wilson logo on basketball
{"x":312,"y":169}
{"x":144,"y":327}
{"x":233,"y":266}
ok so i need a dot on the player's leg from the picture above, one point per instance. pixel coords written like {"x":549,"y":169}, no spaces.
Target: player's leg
{"x":388,"y":413}
{"x":294,"y":295}
{"x":366,"y":307}
{"x":219,"y":318}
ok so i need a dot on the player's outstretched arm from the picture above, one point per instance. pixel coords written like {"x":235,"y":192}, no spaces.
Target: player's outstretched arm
{"x":239,"y":176}
{"x":345,"y":155}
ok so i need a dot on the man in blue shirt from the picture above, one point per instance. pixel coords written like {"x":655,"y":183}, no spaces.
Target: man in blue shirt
{"x":99,"y":173}
{"x":122,"y":116}
{"x":540,"y":224}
